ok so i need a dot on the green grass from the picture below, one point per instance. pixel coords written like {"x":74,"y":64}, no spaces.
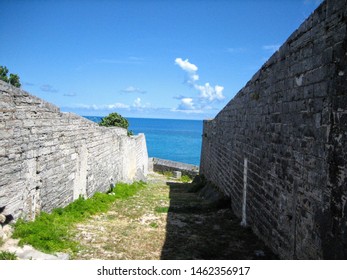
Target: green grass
{"x":2,"y":242}
{"x":153,"y":225}
{"x":4,"y":255}
{"x":168,"y":174}
{"x":185,"y":179}
{"x":159,"y":209}
{"x":52,"y":232}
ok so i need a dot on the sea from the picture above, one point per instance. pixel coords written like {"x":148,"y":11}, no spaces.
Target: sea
{"x":177,"y":140}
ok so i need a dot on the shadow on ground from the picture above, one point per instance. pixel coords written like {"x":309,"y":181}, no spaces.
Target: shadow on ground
{"x":201,"y":229}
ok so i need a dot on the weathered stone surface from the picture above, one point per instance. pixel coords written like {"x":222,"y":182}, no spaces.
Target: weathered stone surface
{"x":162,"y":165}
{"x":49,"y":158}
{"x":290,"y":123}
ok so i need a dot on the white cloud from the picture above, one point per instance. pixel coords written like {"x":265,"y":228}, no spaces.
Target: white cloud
{"x":117,"y":106}
{"x":137,"y":103}
{"x":206,"y":91}
{"x":101,"y":107}
{"x":190,"y":70}
{"x":271,"y":48}
{"x":186,"y":65}
{"x":186,"y":104}
{"x":132,"y":89}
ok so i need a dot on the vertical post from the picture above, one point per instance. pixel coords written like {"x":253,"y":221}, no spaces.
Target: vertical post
{"x":244,"y":202}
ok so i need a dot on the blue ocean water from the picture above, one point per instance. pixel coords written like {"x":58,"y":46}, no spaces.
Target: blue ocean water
{"x":178,"y":140}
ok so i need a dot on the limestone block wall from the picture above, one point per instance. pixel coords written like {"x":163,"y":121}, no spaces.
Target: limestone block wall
{"x":279,"y":148}
{"x":162,"y":165}
{"x":49,"y":158}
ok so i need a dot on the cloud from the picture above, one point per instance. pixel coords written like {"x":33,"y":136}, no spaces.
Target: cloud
{"x":48,"y":88}
{"x":206,"y":91}
{"x":28,"y":84}
{"x":271,"y":48}
{"x":100,"y":107}
{"x":131,"y":89}
{"x":186,"y":65}
{"x":179,"y":97}
{"x":190,"y":70}
{"x":72,"y":94}
{"x":186,"y":104}
{"x":138,"y":104}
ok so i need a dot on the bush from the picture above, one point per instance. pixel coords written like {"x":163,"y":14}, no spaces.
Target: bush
{"x":13,"y":79}
{"x":4,"y":255}
{"x":115,"y":119}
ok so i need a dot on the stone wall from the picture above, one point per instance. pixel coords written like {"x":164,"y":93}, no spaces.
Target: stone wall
{"x":162,"y":165}
{"x":49,"y":158}
{"x":279,"y":148}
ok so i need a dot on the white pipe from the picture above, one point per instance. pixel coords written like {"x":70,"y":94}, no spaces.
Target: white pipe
{"x":244,"y":216}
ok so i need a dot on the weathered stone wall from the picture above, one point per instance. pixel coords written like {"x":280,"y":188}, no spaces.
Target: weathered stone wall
{"x":49,"y":158}
{"x":279,"y":148}
{"x":162,"y":165}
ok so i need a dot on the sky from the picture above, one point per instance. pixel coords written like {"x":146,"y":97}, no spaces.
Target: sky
{"x":174,"y":59}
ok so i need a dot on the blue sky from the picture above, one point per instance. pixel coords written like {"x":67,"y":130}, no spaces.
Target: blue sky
{"x":181,"y":59}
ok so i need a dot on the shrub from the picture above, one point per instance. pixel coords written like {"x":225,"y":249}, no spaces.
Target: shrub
{"x":13,"y":79}
{"x":4,"y":255}
{"x":115,"y":119}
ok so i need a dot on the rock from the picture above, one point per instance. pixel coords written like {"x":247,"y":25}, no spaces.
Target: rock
{"x":177,"y":174}
{"x":7,"y":231}
{"x":2,"y":218}
{"x":29,"y":253}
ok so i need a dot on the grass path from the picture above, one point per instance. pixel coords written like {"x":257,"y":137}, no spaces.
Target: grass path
{"x":165,"y":221}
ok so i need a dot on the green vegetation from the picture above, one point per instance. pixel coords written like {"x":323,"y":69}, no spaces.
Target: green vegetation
{"x":13,"y":79}
{"x":53,"y":232}
{"x":4,"y":255}
{"x":159,"y":209}
{"x":115,"y":119}
{"x":1,"y":241}
{"x":167,"y":174}
{"x":185,"y":179}
{"x":153,"y":225}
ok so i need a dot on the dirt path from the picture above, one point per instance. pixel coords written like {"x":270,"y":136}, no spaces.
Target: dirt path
{"x":165,"y":221}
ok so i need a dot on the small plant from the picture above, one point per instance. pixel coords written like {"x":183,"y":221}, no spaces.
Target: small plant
{"x":168,"y":174}
{"x":4,"y":255}
{"x":185,"y":179}
{"x":153,"y":225}
{"x":160,"y":209}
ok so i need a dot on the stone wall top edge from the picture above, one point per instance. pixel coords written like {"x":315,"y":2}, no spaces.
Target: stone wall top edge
{"x":14,"y":90}
{"x":170,"y":163}
{"x":304,"y":26}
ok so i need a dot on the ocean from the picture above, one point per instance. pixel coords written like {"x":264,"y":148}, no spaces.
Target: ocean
{"x":177,"y":140}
